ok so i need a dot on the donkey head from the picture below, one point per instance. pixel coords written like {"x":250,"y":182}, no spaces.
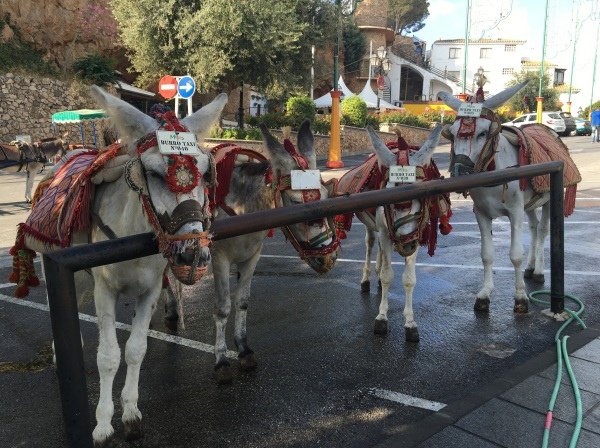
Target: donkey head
{"x":473,"y":137}
{"x":173,"y":184}
{"x":315,"y":240}
{"x":402,"y":219}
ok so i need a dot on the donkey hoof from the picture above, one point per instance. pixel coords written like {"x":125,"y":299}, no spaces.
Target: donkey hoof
{"x":412,"y":334}
{"x":482,"y":305}
{"x":521,"y":307}
{"x":132,"y":430}
{"x":538,"y":278}
{"x":381,"y":327}
{"x":247,"y":360}
{"x":107,"y":442}
{"x":528,"y":273}
{"x":365,"y":286}
{"x":223,"y":373}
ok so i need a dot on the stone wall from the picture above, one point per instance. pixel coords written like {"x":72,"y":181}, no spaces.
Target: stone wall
{"x":353,"y":140}
{"x":28,"y":102}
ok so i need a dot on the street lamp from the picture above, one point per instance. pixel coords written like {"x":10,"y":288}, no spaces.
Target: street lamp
{"x":383,"y":65}
{"x":343,"y":8}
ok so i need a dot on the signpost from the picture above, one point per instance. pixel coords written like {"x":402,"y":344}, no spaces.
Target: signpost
{"x":178,"y":87}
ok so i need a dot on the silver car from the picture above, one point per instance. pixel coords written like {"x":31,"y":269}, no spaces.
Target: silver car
{"x":551,"y":119}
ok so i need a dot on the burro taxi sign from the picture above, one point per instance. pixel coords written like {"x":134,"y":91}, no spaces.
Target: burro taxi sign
{"x":173,"y":142}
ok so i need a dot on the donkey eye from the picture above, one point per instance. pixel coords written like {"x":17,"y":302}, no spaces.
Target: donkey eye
{"x":482,"y":134}
{"x":155,"y":175}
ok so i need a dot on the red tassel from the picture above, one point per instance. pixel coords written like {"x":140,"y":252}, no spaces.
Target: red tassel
{"x":14,"y":276}
{"x":22,"y":291}
{"x":271,"y":233}
{"x":165,"y":282}
{"x":570,"y":197}
{"x":33,"y":280}
{"x":445,"y":226}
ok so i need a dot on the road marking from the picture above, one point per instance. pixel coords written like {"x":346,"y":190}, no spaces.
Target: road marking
{"x":438,"y":265}
{"x":407,"y":400}
{"x":201,"y":346}
{"x":502,"y":221}
{"x":6,"y":285}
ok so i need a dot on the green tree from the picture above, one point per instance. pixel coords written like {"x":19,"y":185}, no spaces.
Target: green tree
{"x":409,"y":15}
{"x":585,"y":113}
{"x":355,"y":46}
{"x":354,"y":111}
{"x":95,"y":69}
{"x":225,"y":43}
{"x":524,"y":99}
{"x":300,"y":108}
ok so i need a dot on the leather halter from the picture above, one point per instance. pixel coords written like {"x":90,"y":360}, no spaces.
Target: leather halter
{"x":283,"y":183}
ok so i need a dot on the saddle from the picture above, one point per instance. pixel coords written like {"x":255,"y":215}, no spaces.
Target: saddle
{"x":20,"y":153}
{"x":538,"y":144}
{"x":61,"y":208}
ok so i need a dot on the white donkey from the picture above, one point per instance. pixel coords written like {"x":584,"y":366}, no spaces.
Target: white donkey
{"x":147,"y":197}
{"x":256,"y":186}
{"x":396,"y":228}
{"x":474,"y":149}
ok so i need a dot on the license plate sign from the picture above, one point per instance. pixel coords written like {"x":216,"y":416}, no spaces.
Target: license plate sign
{"x":173,"y":142}
{"x":403,"y":174}
{"x":306,"y":180}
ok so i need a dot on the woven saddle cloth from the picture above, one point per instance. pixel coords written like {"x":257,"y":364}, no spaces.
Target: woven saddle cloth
{"x":62,"y":202}
{"x":537,"y":144}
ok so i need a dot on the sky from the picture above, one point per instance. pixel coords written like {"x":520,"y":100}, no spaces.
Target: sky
{"x":524,"y":19}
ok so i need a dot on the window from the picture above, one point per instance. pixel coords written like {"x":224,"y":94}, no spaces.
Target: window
{"x":485,"y":53}
{"x":531,"y":117}
{"x":520,"y":119}
{"x":454,"y":53}
{"x":508,"y":71}
{"x":559,"y":77}
{"x":510,"y":48}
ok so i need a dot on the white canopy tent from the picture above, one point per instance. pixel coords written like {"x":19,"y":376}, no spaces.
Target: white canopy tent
{"x":325,"y":100}
{"x":370,"y":97}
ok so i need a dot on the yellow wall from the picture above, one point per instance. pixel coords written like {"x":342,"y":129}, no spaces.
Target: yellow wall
{"x":420,"y":107}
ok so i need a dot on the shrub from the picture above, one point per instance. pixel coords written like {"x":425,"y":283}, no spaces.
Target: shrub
{"x":373,"y":121}
{"x":300,"y":108}
{"x":17,"y":54}
{"x":436,"y":117}
{"x":405,"y":118}
{"x":322,"y":124}
{"x":95,"y":69}
{"x":354,"y":111}
{"x":253,"y":134}
{"x":273,"y":120}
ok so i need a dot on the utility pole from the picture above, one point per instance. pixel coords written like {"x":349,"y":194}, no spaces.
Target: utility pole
{"x":463,"y":96}
{"x":575,"y":37}
{"x":540,"y":98}
{"x":594,"y":73}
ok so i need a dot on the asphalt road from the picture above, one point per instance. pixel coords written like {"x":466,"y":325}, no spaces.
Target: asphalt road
{"x":324,"y":379}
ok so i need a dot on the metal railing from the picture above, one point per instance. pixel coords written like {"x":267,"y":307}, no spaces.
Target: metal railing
{"x":61,"y":265}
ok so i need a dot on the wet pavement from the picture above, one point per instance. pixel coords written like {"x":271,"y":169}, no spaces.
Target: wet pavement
{"x":324,"y":379}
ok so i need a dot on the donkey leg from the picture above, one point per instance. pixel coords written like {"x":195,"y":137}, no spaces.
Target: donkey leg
{"x":542,"y":232}
{"x":533,"y":230}
{"x":487,"y":258}
{"x":135,"y":350}
{"x":386,"y":277}
{"x":108,"y":359}
{"x":171,"y":314}
{"x":241,"y":298}
{"x":409,"y":280}
{"x":365,"y":283}
{"x":222,"y":308}
{"x":29,"y":181}
{"x":516,"y":257}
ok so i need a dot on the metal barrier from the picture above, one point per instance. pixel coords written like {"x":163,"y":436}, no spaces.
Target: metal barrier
{"x":60,"y":266}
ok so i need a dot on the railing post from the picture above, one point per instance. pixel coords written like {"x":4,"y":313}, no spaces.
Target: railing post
{"x":557,"y":243}
{"x":69,"y":355}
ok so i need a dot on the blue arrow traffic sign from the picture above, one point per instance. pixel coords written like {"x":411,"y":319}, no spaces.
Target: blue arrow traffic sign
{"x":186,"y":87}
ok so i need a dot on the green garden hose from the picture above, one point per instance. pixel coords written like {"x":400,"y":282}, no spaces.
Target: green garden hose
{"x":563,"y":356}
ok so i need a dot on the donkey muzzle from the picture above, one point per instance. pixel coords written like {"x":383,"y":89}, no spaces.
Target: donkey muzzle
{"x":461,"y":165}
{"x":188,"y":211}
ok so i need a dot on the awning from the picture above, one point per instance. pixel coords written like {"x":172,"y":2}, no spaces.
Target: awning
{"x":325,"y":100}
{"x":77,"y":116}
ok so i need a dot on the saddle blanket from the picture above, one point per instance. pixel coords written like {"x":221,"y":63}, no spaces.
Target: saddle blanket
{"x":62,"y":202}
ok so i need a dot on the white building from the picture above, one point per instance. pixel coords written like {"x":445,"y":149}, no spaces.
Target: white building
{"x":499,"y":58}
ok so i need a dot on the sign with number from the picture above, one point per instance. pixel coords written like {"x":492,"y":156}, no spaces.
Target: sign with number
{"x":469,"y":110}
{"x":167,"y":87}
{"x":173,"y":142}
{"x":306,"y":180}
{"x":186,"y":87}
{"x":403,"y":174}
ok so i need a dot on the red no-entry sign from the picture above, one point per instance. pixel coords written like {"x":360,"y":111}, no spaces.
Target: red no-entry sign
{"x":167,"y":86}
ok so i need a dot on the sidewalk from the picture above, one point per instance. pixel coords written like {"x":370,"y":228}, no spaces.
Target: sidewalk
{"x":511,"y":411}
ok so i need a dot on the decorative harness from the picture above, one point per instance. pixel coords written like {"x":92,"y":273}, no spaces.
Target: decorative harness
{"x":182,"y":177}
{"x":282,"y":183}
{"x":462,"y":164}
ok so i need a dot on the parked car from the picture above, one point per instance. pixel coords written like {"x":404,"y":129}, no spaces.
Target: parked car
{"x":583,"y":127}
{"x":569,"y":123}
{"x":551,"y":119}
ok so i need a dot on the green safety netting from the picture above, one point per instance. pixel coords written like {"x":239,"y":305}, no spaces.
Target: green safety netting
{"x":77,"y":116}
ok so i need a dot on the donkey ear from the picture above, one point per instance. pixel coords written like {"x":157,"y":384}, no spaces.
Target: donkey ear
{"x":450,"y":100}
{"x":385,"y":157}
{"x":131,"y":123}
{"x":500,"y":98}
{"x":306,"y":144}
{"x":423,"y":156}
{"x":201,"y":121}
{"x":275,"y":150}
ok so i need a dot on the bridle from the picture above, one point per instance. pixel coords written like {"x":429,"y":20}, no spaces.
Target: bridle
{"x":462,"y":164}
{"x":282,"y":183}
{"x":182,"y":177}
